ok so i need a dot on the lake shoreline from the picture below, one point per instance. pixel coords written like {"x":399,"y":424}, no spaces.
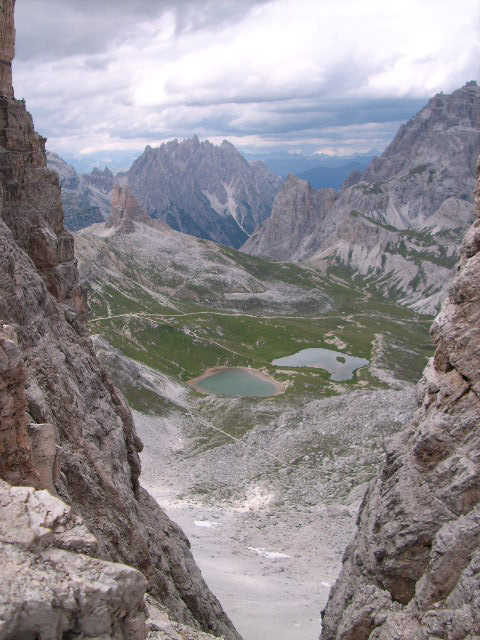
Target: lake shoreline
{"x":279,"y":386}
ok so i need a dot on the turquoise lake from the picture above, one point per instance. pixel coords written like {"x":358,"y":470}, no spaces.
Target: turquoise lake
{"x":235,"y":383}
{"x":341,"y":366}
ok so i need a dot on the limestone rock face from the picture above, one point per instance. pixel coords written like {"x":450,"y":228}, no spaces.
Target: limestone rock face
{"x":16,"y":464}
{"x":51,"y":585}
{"x":86,"y":198}
{"x":298,"y":212}
{"x":206,"y":191}
{"x":63,"y":423}
{"x":7,"y":48}
{"x":126,"y":210}
{"x":413,"y":570}
{"x":400,"y":222}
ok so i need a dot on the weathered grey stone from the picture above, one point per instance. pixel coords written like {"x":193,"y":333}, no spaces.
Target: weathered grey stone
{"x":204,"y":190}
{"x":401,"y":221}
{"x":50,"y":376}
{"x":49,"y":583}
{"x":413,"y":570}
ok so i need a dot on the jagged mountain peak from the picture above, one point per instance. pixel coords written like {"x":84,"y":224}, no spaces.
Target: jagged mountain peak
{"x":202,"y":189}
{"x":399,"y":222}
{"x":422,"y":138}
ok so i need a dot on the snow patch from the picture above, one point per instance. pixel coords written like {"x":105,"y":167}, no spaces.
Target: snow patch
{"x":205,"y":524}
{"x":271,"y":555}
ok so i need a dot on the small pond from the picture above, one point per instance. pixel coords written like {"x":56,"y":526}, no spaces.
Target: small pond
{"x":236,"y":382}
{"x":341,"y":366}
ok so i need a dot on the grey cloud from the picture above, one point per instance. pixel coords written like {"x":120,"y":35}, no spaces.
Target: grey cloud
{"x":53,"y":29}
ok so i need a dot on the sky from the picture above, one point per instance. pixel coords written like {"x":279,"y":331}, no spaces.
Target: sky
{"x":106,"y":77}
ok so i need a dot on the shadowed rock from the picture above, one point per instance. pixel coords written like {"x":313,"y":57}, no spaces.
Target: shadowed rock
{"x":56,"y":387}
{"x":413,"y":570}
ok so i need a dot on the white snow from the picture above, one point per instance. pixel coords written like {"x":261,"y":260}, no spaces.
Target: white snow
{"x":206,"y":524}
{"x":272,"y":555}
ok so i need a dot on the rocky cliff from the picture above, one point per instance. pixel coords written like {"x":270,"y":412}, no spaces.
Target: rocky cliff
{"x":65,"y":427}
{"x":399,"y":223}
{"x":298,"y":213}
{"x":207,"y":191}
{"x":86,"y":198}
{"x":413,"y":570}
{"x":126,"y":210}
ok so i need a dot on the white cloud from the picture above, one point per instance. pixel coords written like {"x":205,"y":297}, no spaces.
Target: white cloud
{"x":281,"y":72}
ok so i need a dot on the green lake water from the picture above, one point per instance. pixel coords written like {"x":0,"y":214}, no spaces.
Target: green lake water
{"x":236,"y":383}
{"x":341,"y":366}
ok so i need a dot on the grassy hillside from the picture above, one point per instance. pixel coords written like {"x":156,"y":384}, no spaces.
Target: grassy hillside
{"x":183,"y":313}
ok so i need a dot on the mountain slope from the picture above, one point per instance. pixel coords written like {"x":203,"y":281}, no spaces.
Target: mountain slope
{"x":86,"y":198}
{"x":414,"y":564}
{"x":65,"y":427}
{"x":203,"y":190}
{"x":401,"y":221}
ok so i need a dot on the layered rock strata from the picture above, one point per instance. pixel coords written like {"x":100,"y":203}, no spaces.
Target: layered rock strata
{"x":413,"y":570}
{"x":400,"y":223}
{"x":7,"y":49}
{"x":298,"y":213}
{"x":204,"y":190}
{"x":63,"y":423}
{"x":126,"y":210}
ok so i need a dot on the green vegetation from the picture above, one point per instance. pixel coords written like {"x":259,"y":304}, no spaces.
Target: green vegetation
{"x":198,"y":329}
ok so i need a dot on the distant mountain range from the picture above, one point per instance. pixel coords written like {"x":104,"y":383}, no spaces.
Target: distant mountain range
{"x":283,"y":163}
{"x":399,"y":222}
{"x":87,"y":198}
{"x":204,"y":190}
{"x":332,"y":177}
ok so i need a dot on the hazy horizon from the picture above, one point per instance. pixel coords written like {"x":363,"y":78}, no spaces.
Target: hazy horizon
{"x":105,"y":79}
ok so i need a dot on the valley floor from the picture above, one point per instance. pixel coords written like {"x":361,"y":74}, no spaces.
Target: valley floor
{"x":269,"y":537}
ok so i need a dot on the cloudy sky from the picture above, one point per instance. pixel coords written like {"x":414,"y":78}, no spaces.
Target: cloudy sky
{"x":331,"y":76}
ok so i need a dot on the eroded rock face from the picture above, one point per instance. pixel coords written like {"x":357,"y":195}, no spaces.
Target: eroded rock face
{"x":298,"y":213}
{"x":7,"y":48}
{"x":57,"y":395}
{"x":204,"y":190}
{"x":413,"y":570}
{"x":16,"y":463}
{"x":400,"y":222}
{"x":51,"y":585}
{"x":126,"y":210}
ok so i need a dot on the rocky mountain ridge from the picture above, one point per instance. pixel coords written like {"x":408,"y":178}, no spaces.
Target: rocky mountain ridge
{"x":86,"y":199}
{"x":413,"y":570}
{"x":401,"y":221}
{"x":66,"y":428}
{"x":204,"y":190}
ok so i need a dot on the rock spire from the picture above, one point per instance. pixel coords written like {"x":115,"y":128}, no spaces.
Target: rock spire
{"x":7,"y":46}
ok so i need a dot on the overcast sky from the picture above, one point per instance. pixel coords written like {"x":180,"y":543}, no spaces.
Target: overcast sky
{"x":334,"y":76}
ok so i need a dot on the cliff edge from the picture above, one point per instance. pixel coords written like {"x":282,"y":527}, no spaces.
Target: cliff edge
{"x":63,"y":425}
{"x":413,"y":570}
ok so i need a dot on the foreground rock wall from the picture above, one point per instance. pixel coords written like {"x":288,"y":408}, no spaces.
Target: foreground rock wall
{"x":63,"y":424}
{"x":51,"y":585}
{"x":413,"y":570}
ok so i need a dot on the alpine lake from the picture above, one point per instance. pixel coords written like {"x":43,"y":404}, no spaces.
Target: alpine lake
{"x":245,"y":382}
